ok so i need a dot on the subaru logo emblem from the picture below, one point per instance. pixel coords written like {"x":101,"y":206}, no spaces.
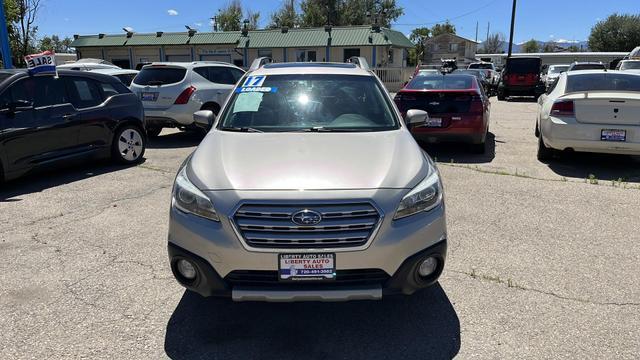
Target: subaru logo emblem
{"x":306,"y":217}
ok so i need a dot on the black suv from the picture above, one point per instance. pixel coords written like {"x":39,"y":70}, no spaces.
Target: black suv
{"x":45,"y":120}
{"x":521,"y":77}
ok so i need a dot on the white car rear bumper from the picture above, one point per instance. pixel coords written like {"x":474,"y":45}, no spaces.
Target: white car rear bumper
{"x":566,"y":133}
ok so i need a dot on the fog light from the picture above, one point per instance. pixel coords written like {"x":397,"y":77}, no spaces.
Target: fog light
{"x":428,"y":266}
{"x":186,"y":269}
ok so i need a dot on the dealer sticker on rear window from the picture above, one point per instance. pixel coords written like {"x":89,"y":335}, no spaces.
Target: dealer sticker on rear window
{"x":254,"y":84}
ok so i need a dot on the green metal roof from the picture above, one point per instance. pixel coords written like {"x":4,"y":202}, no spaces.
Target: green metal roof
{"x":223,"y":37}
{"x":95,"y":40}
{"x":307,"y":37}
{"x":154,"y":39}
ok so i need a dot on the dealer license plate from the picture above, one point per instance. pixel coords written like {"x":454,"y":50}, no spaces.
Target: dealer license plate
{"x":149,"y":96}
{"x":307,"y":267}
{"x":613,"y":135}
{"x":433,"y":122}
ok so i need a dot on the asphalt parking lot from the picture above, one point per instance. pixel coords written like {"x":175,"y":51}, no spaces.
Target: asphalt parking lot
{"x":543,"y":262}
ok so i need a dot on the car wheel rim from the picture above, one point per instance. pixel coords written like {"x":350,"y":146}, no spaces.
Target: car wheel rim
{"x":130,"y":144}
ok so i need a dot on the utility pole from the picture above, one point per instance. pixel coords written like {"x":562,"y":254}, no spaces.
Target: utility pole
{"x":488,"y":27}
{"x":476,"y":31}
{"x":513,"y":22}
{"x":4,"y":40}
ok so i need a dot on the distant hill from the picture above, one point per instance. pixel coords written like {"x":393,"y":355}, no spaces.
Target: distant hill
{"x":560,"y":44}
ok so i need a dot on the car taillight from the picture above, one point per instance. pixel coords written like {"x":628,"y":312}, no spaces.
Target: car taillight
{"x":183,"y":98}
{"x":477,"y":106}
{"x":563,"y":108}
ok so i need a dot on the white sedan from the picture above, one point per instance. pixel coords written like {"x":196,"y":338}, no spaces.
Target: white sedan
{"x":591,"y":111}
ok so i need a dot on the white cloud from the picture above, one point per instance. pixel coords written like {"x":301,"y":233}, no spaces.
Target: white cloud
{"x":172,"y":12}
{"x":552,"y":36}
{"x":198,"y":24}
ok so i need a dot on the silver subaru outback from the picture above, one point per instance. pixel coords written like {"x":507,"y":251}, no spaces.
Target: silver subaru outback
{"x":308,"y":187}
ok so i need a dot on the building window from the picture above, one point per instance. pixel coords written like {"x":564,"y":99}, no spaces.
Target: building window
{"x":305,"y":55}
{"x":453,"y":47}
{"x":265,"y":53}
{"x":349,"y":53}
{"x":390,"y":56}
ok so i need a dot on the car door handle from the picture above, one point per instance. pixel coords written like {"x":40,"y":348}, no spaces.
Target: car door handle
{"x":68,"y":116}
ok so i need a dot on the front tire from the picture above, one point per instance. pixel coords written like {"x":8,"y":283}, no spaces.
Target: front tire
{"x":128,"y":145}
{"x":544,"y":153}
{"x":501,"y":95}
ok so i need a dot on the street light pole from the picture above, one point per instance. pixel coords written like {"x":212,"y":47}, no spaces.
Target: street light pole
{"x":4,"y":40}
{"x":513,"y":21}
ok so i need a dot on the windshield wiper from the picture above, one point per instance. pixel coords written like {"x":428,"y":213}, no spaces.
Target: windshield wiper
{"x":241,"y":129}
{"x":315,"y":129}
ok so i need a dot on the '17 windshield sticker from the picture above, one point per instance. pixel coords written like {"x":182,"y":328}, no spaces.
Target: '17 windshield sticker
{"x":254,"y":81}
{"x":254,"y":84}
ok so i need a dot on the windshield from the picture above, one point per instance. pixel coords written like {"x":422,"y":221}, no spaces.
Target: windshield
{"x":630,"y":65}
{"x":523,"y":66}
{"x":449,"y":82}
{"x":557,"y":69}
{"x":277,"y":103}
{"x":481,"y":66}
{"x":588,"y":67}
{"x":159,"y":76}
{"x":603,"y":82}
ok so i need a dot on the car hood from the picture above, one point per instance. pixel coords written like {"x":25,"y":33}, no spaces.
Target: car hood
{"x":307,"y":161}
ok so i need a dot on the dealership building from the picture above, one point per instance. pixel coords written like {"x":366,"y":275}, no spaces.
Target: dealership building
{"x":381,"y":47}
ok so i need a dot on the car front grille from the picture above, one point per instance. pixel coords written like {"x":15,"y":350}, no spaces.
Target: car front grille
{"x":355,"y":277}
{"x":272,"y":226}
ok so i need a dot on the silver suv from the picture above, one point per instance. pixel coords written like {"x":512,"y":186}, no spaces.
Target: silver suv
{"x":308,"y":187}
{"x":172,"y":92}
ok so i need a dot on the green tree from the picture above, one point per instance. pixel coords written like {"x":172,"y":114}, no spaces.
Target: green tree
{"x":446,"y":28}
{"x":573,"y":48}
{"x":285,"y":16}
{"x":20,"y":16}
{"x":549,"y":47}
{"x":531,"y":46}
{"x":419,"y":34}
{"x":493,"y":44}
{"x":316,"y":13}
{"x":230,"y":17}
{"x":254,"y":19}
{"x":616,"y":33}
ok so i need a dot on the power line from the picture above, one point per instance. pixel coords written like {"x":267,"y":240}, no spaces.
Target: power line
{"x":452,"y":18}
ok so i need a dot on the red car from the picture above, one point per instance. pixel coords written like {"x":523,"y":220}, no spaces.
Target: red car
{"x":457,"y":105}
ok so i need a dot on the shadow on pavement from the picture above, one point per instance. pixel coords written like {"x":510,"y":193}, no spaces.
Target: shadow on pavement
{"x":601,"y":166}
{"x":60,"y":174}
{"x":423,"y":326}
{"x":174,"y":140}
{"x":460,"y":152}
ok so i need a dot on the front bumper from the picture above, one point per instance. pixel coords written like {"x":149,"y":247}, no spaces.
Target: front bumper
{"x":222,"y":255}
{"x":566,"y":133}
{"x":404,"y":281}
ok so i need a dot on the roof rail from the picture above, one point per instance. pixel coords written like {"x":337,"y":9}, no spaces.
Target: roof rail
{"x":359,"y":61}
{"x":260,"y":62}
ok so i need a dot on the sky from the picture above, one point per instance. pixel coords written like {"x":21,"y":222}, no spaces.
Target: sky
{"x":543,"y":20}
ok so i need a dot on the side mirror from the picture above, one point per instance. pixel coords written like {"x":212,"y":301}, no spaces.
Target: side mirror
{"x":204,"y":118}
{"x":416,"y":117}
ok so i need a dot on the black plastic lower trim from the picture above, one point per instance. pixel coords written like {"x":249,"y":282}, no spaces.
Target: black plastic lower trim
{"x":207,"y":281}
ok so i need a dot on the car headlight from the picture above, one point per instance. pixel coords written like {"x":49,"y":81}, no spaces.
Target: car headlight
{"x":424,"y":197}
{"x":188,"y":198}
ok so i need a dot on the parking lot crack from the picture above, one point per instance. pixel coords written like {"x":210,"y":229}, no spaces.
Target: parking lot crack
{"x":512,"y":284}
